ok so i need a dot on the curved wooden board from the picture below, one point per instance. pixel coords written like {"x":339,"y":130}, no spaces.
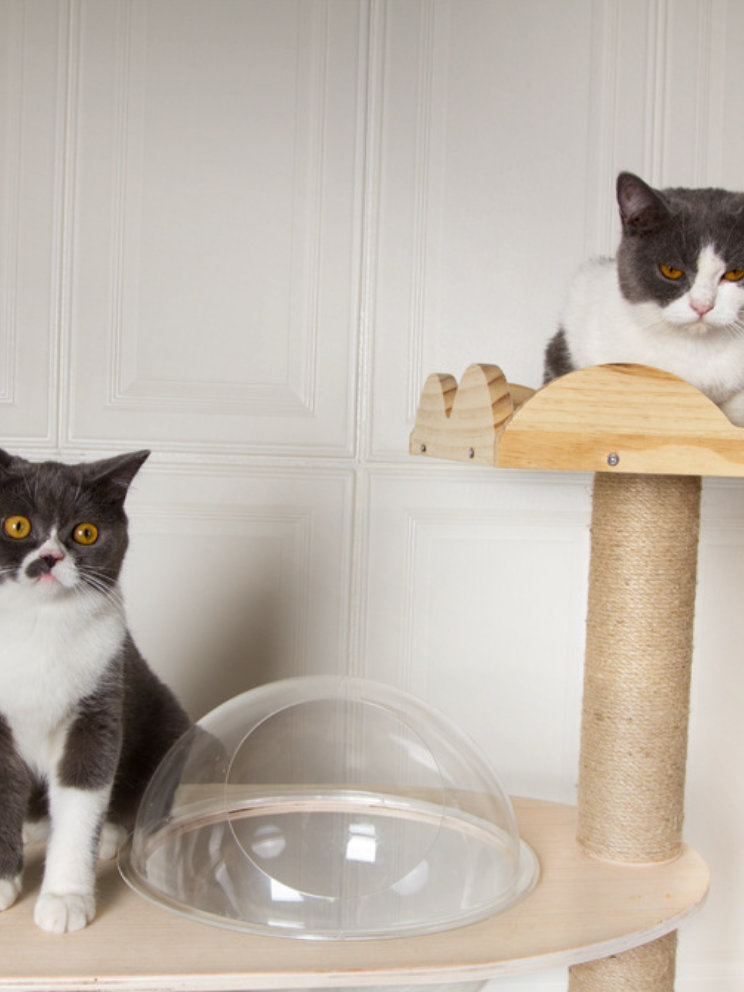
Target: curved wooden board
{"x":622,"y":418}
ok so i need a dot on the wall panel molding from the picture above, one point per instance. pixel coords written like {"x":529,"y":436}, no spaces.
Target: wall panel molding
{"x":130,"y":381}
{"x":12,"y":52}
{"x":32,"y":89}
{"x":601,"y":228}
{"x":428,"y":184}
{"x":453,"y":559}
{"x":215,"y":243}
{"x":252,"y":569}
{"x":455,"y":122}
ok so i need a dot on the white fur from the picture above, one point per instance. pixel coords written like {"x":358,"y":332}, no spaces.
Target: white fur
{"x":9,"y":891}
{"x":113,"y":836}
{"x":698,"y":337}
{"x":64,"y":913}
{"x":53,"y":651}
{"x":55,"y":643}
{"x":67,"y":900}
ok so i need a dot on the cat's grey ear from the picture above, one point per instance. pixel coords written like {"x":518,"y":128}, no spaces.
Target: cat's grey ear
{"x":119,"y":470}
{"x":11,"y":466}
{"x":641,"y":208}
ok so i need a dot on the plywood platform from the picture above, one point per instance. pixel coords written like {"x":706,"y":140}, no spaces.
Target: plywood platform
{"x":581,"y":910}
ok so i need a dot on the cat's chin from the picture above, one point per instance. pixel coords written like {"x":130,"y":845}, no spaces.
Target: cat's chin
{"x":696,"y":328}
{"x":51,"y":588}
{"x":699,"y":327}
{"x":717,"y":321}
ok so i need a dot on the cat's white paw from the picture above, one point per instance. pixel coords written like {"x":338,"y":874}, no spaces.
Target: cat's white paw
{"x":9,"y":891}
{"x":63,"y":913}
{"x":36,"y":831}
{"x":112,"y":837}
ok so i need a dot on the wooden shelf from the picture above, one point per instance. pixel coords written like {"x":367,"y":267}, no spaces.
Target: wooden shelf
{"x":611,"y":418}
{"x":581,"y":910}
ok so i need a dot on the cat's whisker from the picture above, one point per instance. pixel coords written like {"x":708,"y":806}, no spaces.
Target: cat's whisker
{"x":99,"y":573}
{"x":99,"y":583}
{"x":102,"y":586}
{"x":101,"y":580}
{"x":734,"y":331}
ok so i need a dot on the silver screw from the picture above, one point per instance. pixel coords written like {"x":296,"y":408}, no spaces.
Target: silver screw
{"x":471,"y":452}
{"x":423,"y":448}
{"x":613,"y":459}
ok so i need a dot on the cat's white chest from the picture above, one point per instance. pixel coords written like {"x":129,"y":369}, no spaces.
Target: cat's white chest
{"x":53,"y":652}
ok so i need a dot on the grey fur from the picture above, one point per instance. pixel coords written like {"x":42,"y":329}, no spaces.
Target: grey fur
{"x":558,"y":359}
{"x":15,"y":790}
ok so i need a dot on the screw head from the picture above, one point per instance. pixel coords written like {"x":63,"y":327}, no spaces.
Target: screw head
{"x":471,"y":452}
{"x":423,"y":448}
{"x":613,"y":459}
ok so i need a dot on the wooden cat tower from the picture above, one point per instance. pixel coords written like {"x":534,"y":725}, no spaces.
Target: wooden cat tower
{"x":616,"y":880}
{"x":649,"y":437}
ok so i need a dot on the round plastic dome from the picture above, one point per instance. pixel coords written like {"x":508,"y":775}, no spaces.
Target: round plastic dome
{"x":326,"y":807}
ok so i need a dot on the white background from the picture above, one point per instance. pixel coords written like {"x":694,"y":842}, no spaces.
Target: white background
{"x":242,"y":232}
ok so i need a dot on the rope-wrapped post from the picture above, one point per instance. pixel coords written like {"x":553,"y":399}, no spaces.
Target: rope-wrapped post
{"x":644,"y":969}
{"x":642,"y":582}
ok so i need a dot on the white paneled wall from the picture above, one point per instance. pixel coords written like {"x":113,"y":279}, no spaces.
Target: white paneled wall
{"x":31,"y":119}
{"x":215,"y":158}
{"x":242,"y":232}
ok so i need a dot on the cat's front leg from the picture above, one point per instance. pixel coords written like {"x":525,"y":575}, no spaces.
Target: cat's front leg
{"x":67,"y":900}
{"x":79,"y":793}
{"x":15,"y":787}
{"x":113,"y":836}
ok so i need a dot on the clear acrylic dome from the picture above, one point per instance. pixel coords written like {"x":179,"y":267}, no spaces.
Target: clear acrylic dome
{"x":327,"y":807}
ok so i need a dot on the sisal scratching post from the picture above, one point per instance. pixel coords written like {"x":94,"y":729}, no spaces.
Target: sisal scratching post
{"x":648,"y":968}
{"x":636,"y":694}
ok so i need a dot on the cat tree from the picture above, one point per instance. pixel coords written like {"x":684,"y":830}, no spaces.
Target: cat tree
{"x":649,"y":437}
{"x":616,"y":880}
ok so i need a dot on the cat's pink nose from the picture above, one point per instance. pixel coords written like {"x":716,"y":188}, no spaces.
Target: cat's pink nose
{"x":701,"y":307}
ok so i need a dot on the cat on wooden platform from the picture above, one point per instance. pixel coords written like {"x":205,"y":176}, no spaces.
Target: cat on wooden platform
{"x":83,"y":720}
{"x":673,"y":298}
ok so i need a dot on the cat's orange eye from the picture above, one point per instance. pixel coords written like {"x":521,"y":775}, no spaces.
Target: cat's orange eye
{"x":669,"y":272}
{"x":85,"y":534}
{"x":17,"y":527}
{"x":734,"y":275}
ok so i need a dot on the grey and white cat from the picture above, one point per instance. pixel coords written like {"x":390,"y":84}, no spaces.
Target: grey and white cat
{"x":83,"y":719}
{"x":673,"y":298}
